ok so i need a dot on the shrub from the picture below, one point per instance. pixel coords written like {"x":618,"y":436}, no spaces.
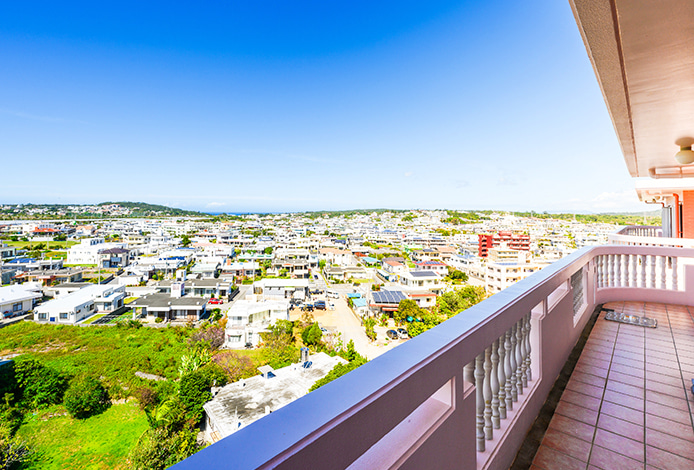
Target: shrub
{"x":86,"y":397}
{"x":212,"y":338}
{"x":13,"y":451}
{"x":39,"y":385}
{"x":158,"y":320}
{"x":161,"y":448}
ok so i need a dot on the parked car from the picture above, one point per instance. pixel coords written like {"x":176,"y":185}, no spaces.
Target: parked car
{"x":324,"y":330}
{"x":307,"y":307}
{"x":332,"y":294}
{"x":392,"y":334}
{"x":215,"y":301}
{"x":402,"y":333}
{"x":319,"y":305}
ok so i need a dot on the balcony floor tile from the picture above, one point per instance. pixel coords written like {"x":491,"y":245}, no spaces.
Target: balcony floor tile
{"x":628,"y":403}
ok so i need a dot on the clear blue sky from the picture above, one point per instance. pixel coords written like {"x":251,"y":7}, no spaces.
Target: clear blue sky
{"x":298,"y":105}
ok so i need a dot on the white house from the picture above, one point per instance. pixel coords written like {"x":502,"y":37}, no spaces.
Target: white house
{"x":80,"y":304}
{"x":87,"y":252}
{"x":18,"y":299}
{"x":247,"y":318}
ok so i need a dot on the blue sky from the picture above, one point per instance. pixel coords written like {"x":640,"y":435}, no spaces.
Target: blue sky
{"x":274,"y":106}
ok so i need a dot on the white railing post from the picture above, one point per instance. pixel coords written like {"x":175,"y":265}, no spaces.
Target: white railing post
{"x":674,"y":273}
{"x":524,"y":352}
{"x":528,"y":348}
{"x":663,"y":274}
{"x":643,"y":271}
{"x":502,"y":376}
{"x":611,"y":264}
{"x":479,"y":398}
{"x":488,"y":429}
{"x":496,"y":416}
{"x":519,"y":359}
{"x":652,"y":271}
{"x":508,"y":370}
{"x":618,"y":270}
{"x":514,"y":365}
{"x":634,"y":271}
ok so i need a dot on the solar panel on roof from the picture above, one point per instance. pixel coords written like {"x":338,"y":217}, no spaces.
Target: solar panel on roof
{"x":388,"y":297}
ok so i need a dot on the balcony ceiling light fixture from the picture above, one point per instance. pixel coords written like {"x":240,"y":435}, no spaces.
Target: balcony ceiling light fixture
{"x":686,"y":155}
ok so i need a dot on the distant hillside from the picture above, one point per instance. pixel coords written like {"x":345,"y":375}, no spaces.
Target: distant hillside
{"x":140,"y":209}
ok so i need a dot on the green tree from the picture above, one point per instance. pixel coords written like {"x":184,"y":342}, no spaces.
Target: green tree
{"x":268,"y":250}
{"x":86,"y":397}
{"x":406,"y":308}
{"x":312,"y":335}
{"x":185,"y":240}
{"x":369,"y":324}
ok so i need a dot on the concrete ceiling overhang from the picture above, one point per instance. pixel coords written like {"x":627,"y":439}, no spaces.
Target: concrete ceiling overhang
{"x":642,"y":52}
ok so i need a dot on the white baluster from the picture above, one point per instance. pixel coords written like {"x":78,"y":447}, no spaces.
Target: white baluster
{"x":502,"y":377}
{"x":523,"y":351}
{"x":488,"y":429}
{"x":652,"y":271}
{"x":675,"y":284}
{"x":508,"y":370}
{"x":634,"y":270}
{"x":479,"y":397}
{"x":663,"y":275}
{"x":519,"y":359}
{"x":618,"y":270}
{"x":610,"y":261}
{"x":528,"y":348}
{"x":496,"y":416}
{"x":643,"y":271}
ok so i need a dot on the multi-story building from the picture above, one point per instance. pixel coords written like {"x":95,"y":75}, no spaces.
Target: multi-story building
{"x":515,"y":241}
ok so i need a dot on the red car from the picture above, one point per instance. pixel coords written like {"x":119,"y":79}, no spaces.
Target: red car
{"x":215,"y":301}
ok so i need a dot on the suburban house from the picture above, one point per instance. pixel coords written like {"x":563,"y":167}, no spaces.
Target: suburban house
{"x":422,"y":281}
{"x":80,"y":304}
{"x":394,"y":265}
{"x":7,"y":251}
{"x":385,"y":301}
{"x":168,"y":307}
{"x":437,"y":266}
{"x":114,"y":257}
{"x":52,"y":276}
{"x":18,"y":299}
{"x":280,"y":288}
{"x":247,"y":318}
{"x":337,"y":256}
{"x":240,"y":269}
{"x":88,"y":251}
{"x":198,"y":287}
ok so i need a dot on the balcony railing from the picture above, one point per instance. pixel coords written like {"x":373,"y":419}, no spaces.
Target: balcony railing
{"x":637,"y":235}
{"x":464,"y":394}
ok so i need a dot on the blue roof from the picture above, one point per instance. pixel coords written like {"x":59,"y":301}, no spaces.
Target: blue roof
{"x":360,"y":302}
{"x":22,"y":260}
{"x":388,"y":296}
{"x":354,"y":295}
{"x":369,"y":259}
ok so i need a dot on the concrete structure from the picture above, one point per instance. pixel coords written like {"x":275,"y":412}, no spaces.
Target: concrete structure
{"x":422,"y":281}
{"x":246,"y":319}
{"x":237,"y":405}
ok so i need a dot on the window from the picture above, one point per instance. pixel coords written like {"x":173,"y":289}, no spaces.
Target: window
{"x":63,"y":316}
{"x":17,"y":307}
{"x":42,"y":316}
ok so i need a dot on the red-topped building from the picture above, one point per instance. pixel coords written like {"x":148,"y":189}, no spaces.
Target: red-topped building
{"x":514,"y":241}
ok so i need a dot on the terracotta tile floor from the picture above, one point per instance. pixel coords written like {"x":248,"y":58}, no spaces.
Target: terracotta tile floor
{"x":628,"y":404}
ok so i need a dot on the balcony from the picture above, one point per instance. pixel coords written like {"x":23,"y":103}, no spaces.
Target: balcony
{"x":465,"y":393}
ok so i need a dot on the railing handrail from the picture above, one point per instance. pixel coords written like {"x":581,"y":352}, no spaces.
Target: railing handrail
{"x":303,"y":422}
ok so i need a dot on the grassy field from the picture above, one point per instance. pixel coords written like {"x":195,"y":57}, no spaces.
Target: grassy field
{"x":117,"y":353}
{"x":99,"y":442}
{"x":21,"y":244}
{"x":94,"y":318}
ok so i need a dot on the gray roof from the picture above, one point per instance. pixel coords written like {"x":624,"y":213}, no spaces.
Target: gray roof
{"x":159,"y":301}
{"x":427,"y":273}
{"x":197,"y":283}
